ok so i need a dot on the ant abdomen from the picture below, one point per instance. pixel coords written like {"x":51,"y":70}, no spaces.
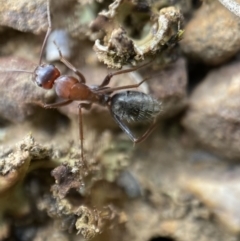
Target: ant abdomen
{"x":135,"y":106}
{"x":45,"y":75}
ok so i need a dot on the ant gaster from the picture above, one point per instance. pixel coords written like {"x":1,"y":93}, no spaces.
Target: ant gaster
{"x":126,"y":105}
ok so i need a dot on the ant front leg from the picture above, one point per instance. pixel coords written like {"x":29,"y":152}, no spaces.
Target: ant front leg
{"x":70,"y":66}
{"x":57,"y":104}
{"x":52,"y":105}
{"x":129,"y":133}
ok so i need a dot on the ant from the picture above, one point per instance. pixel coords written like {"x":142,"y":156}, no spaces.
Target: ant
{"x":126,"y":105}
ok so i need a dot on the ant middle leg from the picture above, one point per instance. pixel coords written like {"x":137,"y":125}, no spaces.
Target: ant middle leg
{"x":69,"y":65}
{"x":80,"y":122}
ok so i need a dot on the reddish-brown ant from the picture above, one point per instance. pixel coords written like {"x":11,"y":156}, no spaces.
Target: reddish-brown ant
{"x":126,"y":105}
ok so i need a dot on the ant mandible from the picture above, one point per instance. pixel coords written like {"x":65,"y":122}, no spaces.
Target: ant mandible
{"x":126,"y":105}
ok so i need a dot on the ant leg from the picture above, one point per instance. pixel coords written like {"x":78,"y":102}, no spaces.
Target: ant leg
{"x":49,"y":106}
{"x":129,"y":133}
{"x":122,"y":87}
{"x":80,"y":120}
{"x":48,"y":31}
{"x":43,"y":45}
{"x":69,"y":65}
{"x":57,"y":104}
{"x":147,"y":133}
{"x":110,"y":75}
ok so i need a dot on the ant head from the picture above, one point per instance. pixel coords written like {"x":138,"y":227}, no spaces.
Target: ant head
{"x":45,"y":75}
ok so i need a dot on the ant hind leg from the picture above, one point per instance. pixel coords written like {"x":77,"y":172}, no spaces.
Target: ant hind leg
{"x":129,"y":133}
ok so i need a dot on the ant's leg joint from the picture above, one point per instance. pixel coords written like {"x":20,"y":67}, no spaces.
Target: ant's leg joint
{"x":86,"y":106}
{"x":106,"y":80}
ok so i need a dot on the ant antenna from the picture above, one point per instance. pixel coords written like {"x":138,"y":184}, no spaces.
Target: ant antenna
{"x":43,"y":45}
{"x":48,"y":31}
{"x":69,"y":65}
{"x":18,"y":71}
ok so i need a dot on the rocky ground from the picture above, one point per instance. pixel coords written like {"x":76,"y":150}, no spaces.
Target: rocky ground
{"x":181,"y":183}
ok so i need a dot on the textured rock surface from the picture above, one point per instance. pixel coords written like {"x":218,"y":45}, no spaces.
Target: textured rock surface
{"x":213,"y":34}
{"x":220,"y":195}
{"x":214,"y":111}
{"x":26,"y":16}
{"x":165,"y":188}
{"x":19,"y":106}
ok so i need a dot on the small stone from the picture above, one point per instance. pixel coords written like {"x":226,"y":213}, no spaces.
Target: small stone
{"x":213,"y":117}
{"x":213,"y":35}
{"x":221,"y":195}
{"x":24,"y":15}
